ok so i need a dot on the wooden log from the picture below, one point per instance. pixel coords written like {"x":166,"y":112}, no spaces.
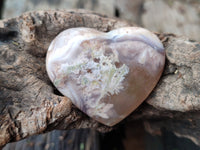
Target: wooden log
{"x":29,"y":104}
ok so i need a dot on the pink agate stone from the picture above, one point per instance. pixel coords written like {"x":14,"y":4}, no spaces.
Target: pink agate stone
{"x":106,"y":75}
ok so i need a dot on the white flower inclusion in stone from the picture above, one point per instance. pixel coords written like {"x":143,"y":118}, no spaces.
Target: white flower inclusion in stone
{"x":87,"y":72}
{"x":106,"y":75}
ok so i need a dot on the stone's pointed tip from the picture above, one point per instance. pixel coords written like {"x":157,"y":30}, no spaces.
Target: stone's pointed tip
{"x":106,"y":75}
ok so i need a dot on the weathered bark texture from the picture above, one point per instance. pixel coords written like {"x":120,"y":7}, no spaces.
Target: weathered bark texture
{"x":180,"y":17}
{"x":28,"y":101}
{"x":29,"y":104}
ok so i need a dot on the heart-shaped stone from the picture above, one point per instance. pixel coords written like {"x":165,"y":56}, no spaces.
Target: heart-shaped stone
{"x":106,"y":75}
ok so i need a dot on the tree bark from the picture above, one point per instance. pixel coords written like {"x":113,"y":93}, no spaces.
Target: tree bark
{"x":30,"y":104}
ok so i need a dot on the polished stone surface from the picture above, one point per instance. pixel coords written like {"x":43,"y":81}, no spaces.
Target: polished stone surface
{"x":106,"y":75}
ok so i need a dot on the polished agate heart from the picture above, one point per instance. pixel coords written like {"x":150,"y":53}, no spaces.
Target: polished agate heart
{"x":106,"y":75}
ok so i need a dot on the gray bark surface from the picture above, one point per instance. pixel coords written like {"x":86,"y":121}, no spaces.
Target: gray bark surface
{"x":180,"y":17}
{"x":29,"y":104}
